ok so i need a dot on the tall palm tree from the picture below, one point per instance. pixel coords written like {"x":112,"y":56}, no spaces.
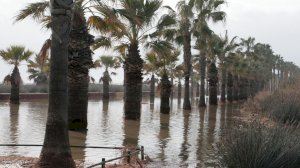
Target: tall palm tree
{"x":227,"y":48}
{"x":165,"y":56}
{"x":179,"y":73}
{"x":14,"y":55}
{"x":39,"y":68}
{"x":56,"y":149}
{"x":186,"y":14}
{"x":80,"y":56}
{"x":107,"y":62}
{"x":150,"y":66}
{"x":208,"y":10}
{"x":127,"y":23}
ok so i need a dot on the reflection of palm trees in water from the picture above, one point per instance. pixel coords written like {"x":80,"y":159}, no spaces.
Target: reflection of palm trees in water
{"x":14,"y":124}
{"x":105,"y":105}
{"x":206,"y":133}
{"x":184,"y":146}
{"x":78,"y":138}
{"x":179,"y":102}
{"x":164,"y":134}
{"x":131,"y":132}
{"x":212,"y":122}
{"x":202,"y":133}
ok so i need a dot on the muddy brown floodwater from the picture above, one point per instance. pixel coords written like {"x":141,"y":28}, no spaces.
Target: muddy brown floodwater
{"x":181,"y":139}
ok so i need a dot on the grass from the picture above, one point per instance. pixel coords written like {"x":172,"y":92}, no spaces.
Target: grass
{"x":283,"y":106}
{"x":257,"y":146}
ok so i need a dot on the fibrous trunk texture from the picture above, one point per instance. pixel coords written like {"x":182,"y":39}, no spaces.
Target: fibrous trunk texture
{"x":133,"y":83}
{"x":213,"y":83}
{"x":80,"y":61}
{"x":152,"y":89}
{"x":187,"y":70}
{"x":229,"y":87}
{"x":165,"y":93}
{"x":106,"y":80}
{"x":202,"y":80}
{"x":56,"y":149}
{"x":15,"y":86}
{"x":235,"y":87}
{"x":223,"y":85}
{"x":197,"y":89}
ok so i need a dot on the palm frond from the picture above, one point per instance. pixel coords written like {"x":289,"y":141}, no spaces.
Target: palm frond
{"x":35,"y":10}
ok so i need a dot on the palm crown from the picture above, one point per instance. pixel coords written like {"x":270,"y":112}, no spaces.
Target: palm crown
{"x":15,"y":54}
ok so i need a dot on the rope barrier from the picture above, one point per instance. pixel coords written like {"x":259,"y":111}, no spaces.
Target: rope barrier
{"x":128,"y":155}
{"x":72,"y":146}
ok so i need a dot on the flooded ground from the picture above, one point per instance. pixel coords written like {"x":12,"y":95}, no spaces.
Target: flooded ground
{"x":181,"y":139}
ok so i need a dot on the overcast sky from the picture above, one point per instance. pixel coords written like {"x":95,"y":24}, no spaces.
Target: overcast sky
{"x":276,"y":22}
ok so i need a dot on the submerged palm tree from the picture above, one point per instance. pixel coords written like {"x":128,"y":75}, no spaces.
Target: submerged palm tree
{"x":150,"y":66}
{"x":186,"y":14}
{"x":39,"y":67}
{"x":165,"y":56}
{"x":14,"y":55}
{"x":107,"y":62}
{"x":56,"y":149}
{"x":179,"y":73}
{"x":227,"y":48}
{"x":208,"y":10}
{"x":80,"y":55}
{"x":127,"y":23}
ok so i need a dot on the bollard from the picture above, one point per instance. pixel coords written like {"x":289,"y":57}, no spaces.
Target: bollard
{"x":128,"y":157}
{"x":142,"y":153}
{"x":103,"y":163}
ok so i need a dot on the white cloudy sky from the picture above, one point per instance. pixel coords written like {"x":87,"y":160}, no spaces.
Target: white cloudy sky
{"x":276,"y":22}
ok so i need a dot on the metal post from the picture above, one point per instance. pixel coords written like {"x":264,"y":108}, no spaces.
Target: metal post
{"x":128,"y":157}
{"x":142,"y":153}
{"x":103,"y":163}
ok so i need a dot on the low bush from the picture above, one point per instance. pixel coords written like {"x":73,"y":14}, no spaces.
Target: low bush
{"x":283,"y":106}
{"x":257,"y":146}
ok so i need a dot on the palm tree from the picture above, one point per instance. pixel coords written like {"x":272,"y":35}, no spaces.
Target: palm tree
{"x":208,"y":10}
{"x":186,"y":14}
{"x":165,"y":56}
{"x":227,"y":48}
{"x":80,"y":55}
{"x":108,"y":62}
{"x":39,"y":69}
{"x":179,"y":73}
{"x":56,"y":149}
{"x":150,"y":66}
{"x":127,"y":23}
{"x":14,"y":55}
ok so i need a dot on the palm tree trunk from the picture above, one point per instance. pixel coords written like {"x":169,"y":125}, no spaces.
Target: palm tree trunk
{"x":15,"y":86}
{"x":165,"y":94}
{"x":187,"y":68}
{"x":235,"y":88}
{"x":179,"y":89}
{"x":213,"y":84}
{"x":229,"y":87}
{"x":242,"y":89}
{"x":56,"y":149}
{"x":78,"y":104}
{"x":192,"y":86}
{"x":172,"y":89}
{"x":133,"y":83}
{"x":106,"y":79}
{"x":223,"y":84}
{"x":152,"y":89}
{"x":202,"y":80}
{"x":80,"y":61}
{"x":197,"y":89}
